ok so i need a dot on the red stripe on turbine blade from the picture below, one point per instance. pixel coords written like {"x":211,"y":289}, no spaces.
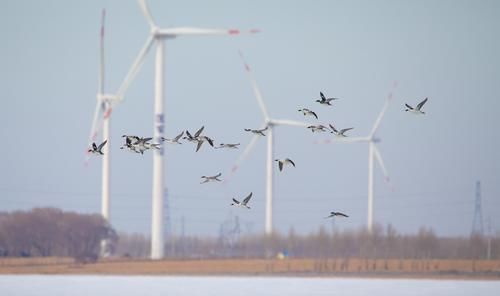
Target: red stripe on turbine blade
{"x":253,"y":31}
{"x":107,"y":113}
{"x":233,"y":31}
{"x":247,"y":68}
{"x":394,"y":85}
{"x":234,"y":168}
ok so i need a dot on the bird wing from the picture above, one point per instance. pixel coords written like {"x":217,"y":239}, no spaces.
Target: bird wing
{"x":421,"y":104}
{"x":199,"y":145}
{"x":245,"y":201}
{"x":144,"y":140}
{"x":408,"y":106}
{"x":312,"y":112}
{"x":280,"y":164}
{"x":236,"y":202}
{"x":341,"y":214}
{"x":178,"y":136}
{"x":199,"y":132}
{"x":210,"y":141}
{"x":94,"y":146}
{"x":342,"y":131}
{"x":188,"y":134}
{"x":102,"y":145}
{"x":290,"y":161}
{"x":218,"y":175}
{"x":322,"y":96}
{"x":333,"y":128}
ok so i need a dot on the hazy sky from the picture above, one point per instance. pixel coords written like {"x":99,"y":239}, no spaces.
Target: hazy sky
{"x":444,"y":50}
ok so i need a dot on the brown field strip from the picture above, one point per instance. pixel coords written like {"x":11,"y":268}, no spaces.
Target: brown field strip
{"x":317,"y":267}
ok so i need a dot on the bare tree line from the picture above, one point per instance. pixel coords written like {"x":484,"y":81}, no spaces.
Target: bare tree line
{"x":45,"y":232}
{"x":382,"y":243}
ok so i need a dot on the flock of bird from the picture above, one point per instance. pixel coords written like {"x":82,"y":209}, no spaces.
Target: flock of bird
{"x":140,"y":145}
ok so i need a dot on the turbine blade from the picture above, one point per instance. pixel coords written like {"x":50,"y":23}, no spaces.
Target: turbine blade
{"x":94,"y":129}
{"x":147,"y":13}
{"x":203,"y":31}
{"x":245,"y":153}
{"x":100,"y":83}
{"x":343,"y":140}
{"x":381,"y":163}
{"x":95,"y":121}
{"x":256,"y":90}
{"x":351,"y":139}
{"x":289,"y":122}
{"x":139,"y":60}
{"x":381,"y":114}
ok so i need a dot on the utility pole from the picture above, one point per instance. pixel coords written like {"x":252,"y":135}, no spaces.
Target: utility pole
{"x":488,"y":250}
{"x":477,"y":222}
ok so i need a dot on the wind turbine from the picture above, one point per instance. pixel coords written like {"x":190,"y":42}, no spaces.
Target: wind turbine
{"x":158,"y":36}
{"x":373,"y":153}
{"x":104,"y":106}
{"x":270,"y":123}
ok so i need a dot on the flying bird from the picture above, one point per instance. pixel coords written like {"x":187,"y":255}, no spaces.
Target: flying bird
{"x":97,"y":149}
{"x":324,"y":100}
{"x":283,"y":162}
{"x":135,"y":139}
{"x":198,"y":138}
{"x":138,"y":144}
{"x":195,"y":137}
{"x":229,"y":146}
{"x":174,"y":140}
{"x":333,"y":214}
{"x":306,"y":112}
{"x":130,"y":147}
{"x":257,"y":132}
{"x":189,"y":137}
{"x":211,"y":178}
{"x":242,"y":204}
{"x":416,"y":110}
{"x":201,"y":140}
{"x":317,"y":128}
{"x":340,"y":133}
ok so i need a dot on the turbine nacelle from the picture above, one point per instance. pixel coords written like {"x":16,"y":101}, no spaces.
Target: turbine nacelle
{"x":108,"y":97}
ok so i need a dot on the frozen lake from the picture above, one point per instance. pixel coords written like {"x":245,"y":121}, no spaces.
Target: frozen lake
{"x":41,"y":285}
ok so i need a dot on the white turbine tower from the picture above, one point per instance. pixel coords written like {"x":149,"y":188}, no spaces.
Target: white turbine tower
{"x":270,"y":124}
{"x":158,"y":36}
{"x":100,"y":121}
{"x":373,"y":152}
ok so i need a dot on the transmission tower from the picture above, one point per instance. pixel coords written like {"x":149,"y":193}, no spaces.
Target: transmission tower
{"x":477,"y":222}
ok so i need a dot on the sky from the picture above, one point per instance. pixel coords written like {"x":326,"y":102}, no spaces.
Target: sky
{"x":359,"y":51}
